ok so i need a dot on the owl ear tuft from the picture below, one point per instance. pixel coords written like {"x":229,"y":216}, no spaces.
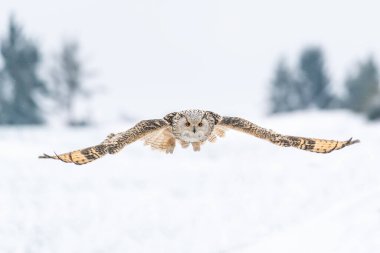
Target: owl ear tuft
{"x":169,"y":117}
{"x":216,"y":117}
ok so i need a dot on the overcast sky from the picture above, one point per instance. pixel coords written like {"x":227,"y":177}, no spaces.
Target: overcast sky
{"x":154,"y":57}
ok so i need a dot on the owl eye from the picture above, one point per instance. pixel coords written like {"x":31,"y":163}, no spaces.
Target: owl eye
{"x":187,"y":124}
{"x":200,"y":124}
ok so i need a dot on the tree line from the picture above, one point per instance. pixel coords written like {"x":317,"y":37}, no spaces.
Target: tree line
{"x":23,"y":92}
{"x":308,"y":85}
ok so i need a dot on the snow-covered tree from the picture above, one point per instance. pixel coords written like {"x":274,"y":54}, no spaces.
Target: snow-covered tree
{"x":308,"y":86}
{"x":313,"y":78}
{"x":363,"y":87}
{"x":284,"y":94}
{"x":19,"y":81}
{"x":68,"y":76}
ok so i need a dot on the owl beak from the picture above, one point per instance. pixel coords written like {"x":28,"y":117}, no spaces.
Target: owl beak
{"x":194,"y":130}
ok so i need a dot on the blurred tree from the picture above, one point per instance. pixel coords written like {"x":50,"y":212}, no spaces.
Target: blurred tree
{"x":314,"y":81}
{"x":308,"y":87}
{"x":374,"y":111}
{"x":284,"y":95}
{"x":363,"y":87}
{"x":4,"y":96}
{"x":19,"y":81}
{"x":68,"y":75}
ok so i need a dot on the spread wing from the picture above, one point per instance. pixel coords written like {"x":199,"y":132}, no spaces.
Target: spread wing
{"x":162,"y":140}
{"x":219,"y":131}
{"x":309,"y":144}
{"x":112,"y":144}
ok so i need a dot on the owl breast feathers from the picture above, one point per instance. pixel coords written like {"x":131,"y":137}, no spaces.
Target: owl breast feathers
{"x":192,"y":127}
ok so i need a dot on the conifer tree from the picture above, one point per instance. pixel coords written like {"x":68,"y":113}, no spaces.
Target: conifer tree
{"x":68,"y":76}
{"x":19,"y":83}
{"x":284,"y":96}
{"x":314,"y":81}
{"x":363,"y":87}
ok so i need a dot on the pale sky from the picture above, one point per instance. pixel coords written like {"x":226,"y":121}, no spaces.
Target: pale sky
{"x":153,"y":57}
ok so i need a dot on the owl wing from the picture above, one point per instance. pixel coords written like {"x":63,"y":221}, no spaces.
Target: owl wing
{"x":309,"y":144}
{"x":112,"y":144}
{"x":162,"y":140}
{"x":219,"y":131}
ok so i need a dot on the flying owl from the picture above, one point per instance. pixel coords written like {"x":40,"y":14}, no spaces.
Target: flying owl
{"x":192,"y":127}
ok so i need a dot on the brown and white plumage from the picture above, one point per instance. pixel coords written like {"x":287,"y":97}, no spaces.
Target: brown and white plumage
{"x":309,"y":144}
{"x":112,"y":144}
{"x":193,"y":127}
{"x":162,"y":140}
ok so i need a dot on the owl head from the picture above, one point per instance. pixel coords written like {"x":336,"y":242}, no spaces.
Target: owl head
{"x":192,"y":125}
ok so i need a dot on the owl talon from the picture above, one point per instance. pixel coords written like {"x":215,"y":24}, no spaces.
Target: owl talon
{"x":185,"y":144}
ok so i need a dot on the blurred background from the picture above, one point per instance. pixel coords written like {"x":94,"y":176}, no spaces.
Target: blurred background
{"x":72,"y":72}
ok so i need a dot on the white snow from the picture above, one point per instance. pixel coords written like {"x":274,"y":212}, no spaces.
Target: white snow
{"x":240,"y":195}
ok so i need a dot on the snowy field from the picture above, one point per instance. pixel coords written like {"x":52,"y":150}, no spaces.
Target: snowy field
{"x":240,"y":195}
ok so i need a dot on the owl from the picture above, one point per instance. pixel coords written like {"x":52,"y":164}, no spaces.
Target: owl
{"x":195,"y":128}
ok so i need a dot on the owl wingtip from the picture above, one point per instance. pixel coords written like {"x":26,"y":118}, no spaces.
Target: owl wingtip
{"x":44,"y":156}
{"x":350,"y":141}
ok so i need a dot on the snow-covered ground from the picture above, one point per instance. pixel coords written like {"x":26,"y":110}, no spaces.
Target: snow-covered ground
{"x":240,"y":195}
